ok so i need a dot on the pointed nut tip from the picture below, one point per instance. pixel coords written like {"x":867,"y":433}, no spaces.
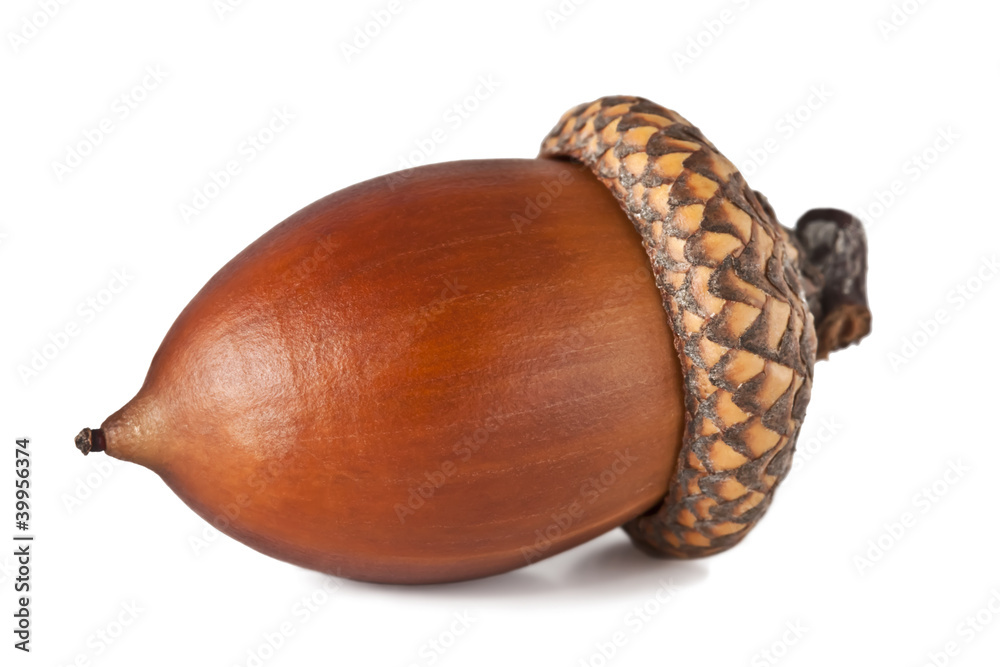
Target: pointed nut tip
{"x":84,"y":442}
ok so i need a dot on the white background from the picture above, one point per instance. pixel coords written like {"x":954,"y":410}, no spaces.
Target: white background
{"x":828,"y":559}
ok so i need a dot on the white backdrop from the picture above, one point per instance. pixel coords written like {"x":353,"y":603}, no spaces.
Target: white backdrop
{"x":881,"y":548}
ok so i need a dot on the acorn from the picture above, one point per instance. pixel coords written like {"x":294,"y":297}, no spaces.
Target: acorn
{"x":464,"y":368}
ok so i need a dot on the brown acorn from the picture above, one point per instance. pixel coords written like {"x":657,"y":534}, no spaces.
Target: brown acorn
{"x":457,"y":371}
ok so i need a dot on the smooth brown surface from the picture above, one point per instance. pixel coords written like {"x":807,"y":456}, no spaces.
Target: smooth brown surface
{"x":365,"y":346}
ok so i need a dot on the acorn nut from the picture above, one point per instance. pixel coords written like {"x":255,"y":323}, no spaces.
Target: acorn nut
{"x":461,"y":369}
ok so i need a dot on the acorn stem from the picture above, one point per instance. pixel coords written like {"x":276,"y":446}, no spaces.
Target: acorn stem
{"x":833,"y":263}
{"x":91,"y":440}
{"x":833,"y":259}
